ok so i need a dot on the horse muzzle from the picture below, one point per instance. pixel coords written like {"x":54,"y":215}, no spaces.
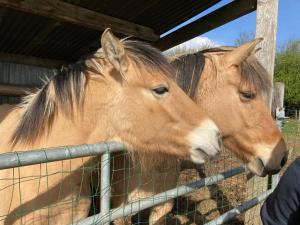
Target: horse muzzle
{"x":205,"y":141}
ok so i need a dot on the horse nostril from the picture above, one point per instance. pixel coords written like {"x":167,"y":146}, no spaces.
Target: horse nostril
{"x":284,"y":160}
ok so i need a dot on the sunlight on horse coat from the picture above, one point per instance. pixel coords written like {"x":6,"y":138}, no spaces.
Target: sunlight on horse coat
{"x":231,"y":86}
{"x":123,"y":93}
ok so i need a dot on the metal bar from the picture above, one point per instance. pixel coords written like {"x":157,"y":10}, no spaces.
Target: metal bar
{"x":25,"y":158}
{"x":145,"y":203}
{"x":226,"y":217}
{"x":105,"y":184}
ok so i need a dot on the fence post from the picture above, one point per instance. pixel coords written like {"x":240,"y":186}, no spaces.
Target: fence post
{"x":266,"y":27}
{"x":278,"y":97}
{"x":105,"y":184}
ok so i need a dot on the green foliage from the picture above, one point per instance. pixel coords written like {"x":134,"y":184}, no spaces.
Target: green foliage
{"x":287,"y":70}
{"x":244,"y":37}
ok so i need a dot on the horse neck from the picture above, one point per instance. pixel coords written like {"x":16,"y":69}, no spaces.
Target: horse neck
{"x":85,"y":126}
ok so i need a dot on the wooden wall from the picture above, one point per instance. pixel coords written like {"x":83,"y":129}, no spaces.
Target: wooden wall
{"x":17,"y":79}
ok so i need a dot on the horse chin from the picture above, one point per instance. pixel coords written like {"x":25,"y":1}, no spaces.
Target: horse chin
{"x":257,"y":167}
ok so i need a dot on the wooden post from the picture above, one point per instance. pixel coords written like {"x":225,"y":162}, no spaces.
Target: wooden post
{"x":266,"y":27}
{"x":278,"y":97}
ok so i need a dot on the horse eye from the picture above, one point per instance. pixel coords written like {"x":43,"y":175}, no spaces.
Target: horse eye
{"x":160,"y":90}
{"x":247,"y":95}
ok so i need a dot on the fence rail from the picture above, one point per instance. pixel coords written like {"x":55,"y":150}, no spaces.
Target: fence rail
{"x":145,"y":203}
{"x":18,"y":159}
{"x":22,"y":158}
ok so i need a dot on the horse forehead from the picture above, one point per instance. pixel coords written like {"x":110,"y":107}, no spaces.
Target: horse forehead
{"x":149,"y":75}
{"x":229,"y":74}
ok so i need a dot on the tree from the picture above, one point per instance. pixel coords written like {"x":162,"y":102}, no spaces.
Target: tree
{"x":244,"y":37}
{"x":287,"y":70}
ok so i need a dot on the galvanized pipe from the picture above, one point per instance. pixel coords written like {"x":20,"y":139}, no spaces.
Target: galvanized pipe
{"x":242,"y":208}
{"x":105,"y":184}
{"x":145,"y":203}
{"x":25,"y":158}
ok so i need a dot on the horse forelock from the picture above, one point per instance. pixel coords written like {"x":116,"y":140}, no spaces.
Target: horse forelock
{"x":66,"y":89}
{"x":254,"y":74}
{"x":188,"y":71}
{"x":148,"y":56}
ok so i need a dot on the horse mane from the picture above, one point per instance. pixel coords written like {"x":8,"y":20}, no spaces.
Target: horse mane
{"x":188,"y":71}
{"x":66,"y":89}
{"x":189,"y":68}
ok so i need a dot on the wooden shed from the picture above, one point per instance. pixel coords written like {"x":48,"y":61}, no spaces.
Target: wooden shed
{"x":46,"y":34}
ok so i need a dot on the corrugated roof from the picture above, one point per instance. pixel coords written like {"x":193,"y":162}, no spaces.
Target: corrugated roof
{"x":64,"y":42}
{"x":69,"y":42}
{"x":159,"y":15}
{"x":22,"y":75}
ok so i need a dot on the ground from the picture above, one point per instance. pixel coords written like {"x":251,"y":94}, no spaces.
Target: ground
{"x":208,"y":203}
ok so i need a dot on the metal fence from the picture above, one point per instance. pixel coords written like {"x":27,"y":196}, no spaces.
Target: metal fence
{"x":18,"y":159}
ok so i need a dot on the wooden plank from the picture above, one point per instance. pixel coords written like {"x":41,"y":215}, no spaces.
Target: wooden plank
{"x":12,"y":90}
{"x":278,"y":97}
{"x":183,"y":16}
{"x":65,"y":12}
{"x":135,"y":12}
{"x":208,"y":22}
{"x":34,"y":61}
{"x":38,"y":39}
{"x":266,"y":27}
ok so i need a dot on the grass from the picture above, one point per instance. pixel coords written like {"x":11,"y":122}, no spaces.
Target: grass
{"x":291,"y":133}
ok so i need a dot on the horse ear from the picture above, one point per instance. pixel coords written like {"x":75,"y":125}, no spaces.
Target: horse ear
{"x":239,"y":54}
{"x":114,"y":51}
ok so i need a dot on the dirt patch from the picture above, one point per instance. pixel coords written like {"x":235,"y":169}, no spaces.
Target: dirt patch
{"x":208,"y":203}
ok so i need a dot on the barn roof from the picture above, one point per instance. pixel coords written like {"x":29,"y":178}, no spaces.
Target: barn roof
{"x":51,"y":32}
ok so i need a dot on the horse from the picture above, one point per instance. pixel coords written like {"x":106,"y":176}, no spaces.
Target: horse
{"x":4,"y":110}
{"x":120,"y":93}
{"x":231,"y":86}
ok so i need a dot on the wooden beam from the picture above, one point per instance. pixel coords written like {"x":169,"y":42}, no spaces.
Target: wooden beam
{"x":34,"y":61}
{"x":13,"y":90}
{"x":208,"y":22}
{"x":65,"y":12}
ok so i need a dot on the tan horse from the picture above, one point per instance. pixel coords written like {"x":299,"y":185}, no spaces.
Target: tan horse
{"x":231,"y":86}
{"x":4,"y":111}
{"x":120,"y":93}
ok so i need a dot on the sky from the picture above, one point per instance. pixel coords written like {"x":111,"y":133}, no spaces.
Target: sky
{"x":288,"y":24}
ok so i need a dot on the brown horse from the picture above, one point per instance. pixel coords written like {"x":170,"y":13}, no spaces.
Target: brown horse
{"x":123,"y":93}
{"x":4,"y":111}
{"x":231,"y":86}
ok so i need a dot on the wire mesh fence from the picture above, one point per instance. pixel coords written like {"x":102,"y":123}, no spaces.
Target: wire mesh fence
{"x":178,"y":190}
